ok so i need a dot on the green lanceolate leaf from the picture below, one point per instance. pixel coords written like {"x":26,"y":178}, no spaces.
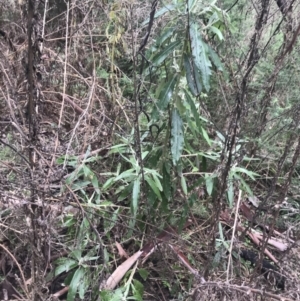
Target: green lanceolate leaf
{"x":73,"y":287}
{"x":135,"y":195}
{"x":162,"y":55}
{"x":65,"y":265}
{"x":199,"y":55}
{"x":109,"y":182}
{"x":166,"y":181}
{"x":157,"y":181}
{"x":129,"y":173}
{"x":87,"y":171}
{"x":196,"y":115}
{"x":82,"y":288}
{"x":183,"y":185}
{"x":205,"y":136}
{"x":165,"y":35}
{"x":177,"y":136}
{"x":95,"y":183}
{"x":244,"y":185}
{"x":193,"y":109}
{"x":192,"y":75}
{"x":143,"y":273}
{"x":191,"y":4}
{"x":197,"y":78}
{"x":249,"y":173}
{"x":215,"y":58}
{"x":138,"y":290}
{"x":153,"y":187}
{"x":217,"y":31}
{"x":230,"y":191}
{"x":166,"y":93}
{"x":209,"y":181}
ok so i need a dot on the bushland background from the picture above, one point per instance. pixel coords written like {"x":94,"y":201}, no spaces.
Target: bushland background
{"x":170,"y":127}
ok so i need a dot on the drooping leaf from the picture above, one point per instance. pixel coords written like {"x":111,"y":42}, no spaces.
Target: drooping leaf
{"x":166,"y":181}
{"x":224,"y":242}
{"x":180,"y":105}
{"x":177,"y":136}
{"x":77,"y":253}
{"x":105,"y":255}
{"x":65,"y":265}
{"x":162,"y":55}
{"x":249,"y":173}
{"x":120,"y":148}
{"x":152,"y":198}
{"x":153,"y":187}
{"x":144,"y":154}
{"x":69,"y":221}
{"x":138,"y":290}
{"x":245,"y":186}
{"x":199,"y":55}
{"x":197,"y":78}
{"x":209,"y":181}
{"x":193,"y":127}
{"x":166,"y":93}
{"x":100,"y":206}
{"x":217,"y":31}
{"x":109,"y":182}
{"x":220,"y":136}
{"x":157,"y":181}
{"x":192,"y":75}
{"x":80,"y":185}
{"x":196,"y":43}
{"x":204,"y":164}
{"x":191,"y":4}
{"x":205,"y":136}
{"x":165,"y":35}
{"x":143,"y":273}
{"x":135,"y":195}
{"x":126,"y":174}
{"x":197,"y":183}
{"x":116,"y":295}
{"x":83,"y":287}
{"x":123,"y":191}
{"x":73,"y":287}
{"x":164,"y":205}
{"x":71,"y":160}
{"x":183,"y":185}
{"x":194,"y":110}
{"x":183,"y":217}
{"x":230,"y":192}
{"x":95,"y":183}
{"x":215,"y":58}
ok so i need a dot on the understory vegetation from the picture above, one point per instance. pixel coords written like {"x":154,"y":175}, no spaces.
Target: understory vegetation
{"x":149,"y":150}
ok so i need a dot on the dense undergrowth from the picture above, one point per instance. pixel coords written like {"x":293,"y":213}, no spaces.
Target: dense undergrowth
{"x":149,"y":150}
